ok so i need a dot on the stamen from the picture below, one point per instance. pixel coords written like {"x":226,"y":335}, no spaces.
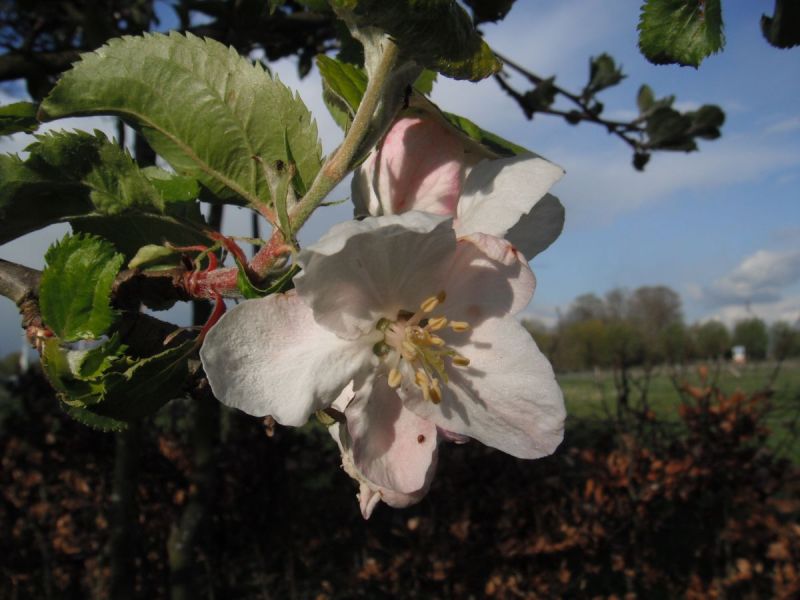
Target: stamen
{"x":436,"y":340}
{"x":435,"y":323}
{"x":394,"y":378}
{"x":436,"y":392}
{"x":460,"y":361}
{"x":459,"y":326}
{"x":430,"y":304}
{"x":422,"y":381}
{"x":409,"y":351}
{"x":383,"y":324}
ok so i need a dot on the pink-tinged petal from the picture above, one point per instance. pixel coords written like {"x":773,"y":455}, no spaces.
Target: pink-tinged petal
{"x":535,"y":231}
{"x":420,"y":166}
{"x":507,"y":397}
{"x":362,"y":189}
{"x":370,"y":493}
{"x":362,"y":271}
{"x":487,"y":278}
{"x":269,"y":357}
{"x":392,"y":447}
{"x":497,"y":195}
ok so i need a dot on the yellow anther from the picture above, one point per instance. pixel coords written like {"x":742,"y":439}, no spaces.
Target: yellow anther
{"x":422,"y":381}
{"x":435,"y":340}
{"x":459,"y":326}
{"x":430,"y":304}
{"x":409,"y":351}
{"x":460,"y":361}
{"x":436,"y":323}
{"x":394,"y":378}
{"x":436,"y":392}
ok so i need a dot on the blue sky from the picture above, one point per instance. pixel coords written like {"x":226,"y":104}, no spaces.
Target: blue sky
{"x":720,"y":226}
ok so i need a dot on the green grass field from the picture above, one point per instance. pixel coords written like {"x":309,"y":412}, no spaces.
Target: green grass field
{"x":592,"y":395}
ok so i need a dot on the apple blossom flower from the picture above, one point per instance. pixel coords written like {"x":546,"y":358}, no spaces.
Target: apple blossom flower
{"x":420,"y":325}
{"x":422,"y":165}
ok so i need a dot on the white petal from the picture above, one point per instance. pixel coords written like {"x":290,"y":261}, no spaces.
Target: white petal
{"x":420,"y":166}
{"x":362,"y":271}
{"x":486,"y":278}
{"x":269,"y":357}
{"x":507,"y":398}
{"x":539,"y":228}
{"x":499,"y":193}
{"x":392,"y":447}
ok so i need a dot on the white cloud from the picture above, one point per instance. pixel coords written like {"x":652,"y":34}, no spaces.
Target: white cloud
{"x":786,"y":309}
{"x":764,"y":285}
{"x":785,"y":126}
{"x":598,"y":187}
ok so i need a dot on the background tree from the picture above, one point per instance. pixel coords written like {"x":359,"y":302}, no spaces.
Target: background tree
{"x":784,"y":341}
{"x":752,"y":334}
{"x":712,"y":340}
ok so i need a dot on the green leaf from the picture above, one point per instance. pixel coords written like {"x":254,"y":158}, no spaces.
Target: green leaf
{"x":75,"y":289}
{"x":706,"y":121}
{"x":103,"y":389}
{"x":493,"y":142}
{"x":782,"y":30}
{"x":129,"y":232}
{"x":172,"y":187}
{"x":645,"y":99}
{"x":152,"y":254}
{"x":57,"y":364}
{"x":489,"y":10}
{"x":93,"y":420}
{"x":147,"y":385}
{"x":96,"y":361}
{"x":72,"y":174}
{"x":201,"y":106}
{"x":343,"y":86}
{"x":680,"y":31}
{"x":667,"y":129}
{"x":436,"y":34}
{"x":18,"y":117}
{"x":540,"y":97}
{"x":274,"y":5}
{"x":603,"y":74}
{"x":425,"y":81}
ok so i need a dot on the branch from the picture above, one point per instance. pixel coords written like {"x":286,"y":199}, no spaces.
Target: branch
{"x":15,"y":65}
{"x":17,"y":282}
{"x":622,"y":130}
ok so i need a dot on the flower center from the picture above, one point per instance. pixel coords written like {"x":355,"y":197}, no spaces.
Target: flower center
{"x":412,"y":338}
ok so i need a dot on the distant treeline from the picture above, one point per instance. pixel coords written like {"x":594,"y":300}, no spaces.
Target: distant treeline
{"x":646,"y":327}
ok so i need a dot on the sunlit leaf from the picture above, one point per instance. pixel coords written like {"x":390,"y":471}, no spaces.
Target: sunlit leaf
{"x":75,"y":289}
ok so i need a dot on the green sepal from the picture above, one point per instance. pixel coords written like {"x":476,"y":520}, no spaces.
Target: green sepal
{"x":680,"y":31}
{"x":75,"y":290}
{"x":250,"y":291}
{"x":19,"y":117}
